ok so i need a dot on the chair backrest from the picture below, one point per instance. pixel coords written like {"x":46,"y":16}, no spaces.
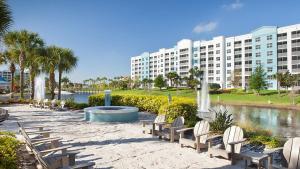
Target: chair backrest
{"x":160,"y":118}
{"x":202,"y":127}
{"x":291,"y":152}
{"x":40,"y":159}
{"x":231,"y":134}
{"x":178,"y":122}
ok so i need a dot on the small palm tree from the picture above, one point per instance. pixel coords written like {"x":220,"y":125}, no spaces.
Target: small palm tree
{"x":67,"y":61}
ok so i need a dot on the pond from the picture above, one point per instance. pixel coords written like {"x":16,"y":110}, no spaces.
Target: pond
{"x":281,"y":122}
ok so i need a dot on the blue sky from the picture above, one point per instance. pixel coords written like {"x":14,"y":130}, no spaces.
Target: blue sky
{"x":104,"y":34}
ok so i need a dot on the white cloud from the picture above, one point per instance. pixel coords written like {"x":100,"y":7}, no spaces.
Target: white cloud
{"x":205,"y":27}
{"x":233,"y":6}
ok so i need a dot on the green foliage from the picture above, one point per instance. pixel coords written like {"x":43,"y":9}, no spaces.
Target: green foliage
{"x":8,"y":150}
{"x":70,"y":103}
{"x":159,"y":82}
{"x":214,"y":86}
{"x":258,"y":80}
{"x":179,"y":108}
{"x":222,"y":121}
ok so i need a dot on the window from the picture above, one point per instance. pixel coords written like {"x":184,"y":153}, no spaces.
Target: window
{"x":218,"y":72}
{"x":269,"y":53}
{"x":218,"y":78}
{"x":228,"y":44}
{"x":257,"y":47}
{"x":269,"y":37}
{"x":218,"y":45}
{"x":228,"y":51}
{"x":228,"y":64}
{"x":269,"y":45}
{"x":218,"y":52}
{"x":257,"y":54}
{"x":218,"y":65}
{"x":270,"y":69}
{"x":228,"y":57}
{"x":257,"y":39}
{"x":270,"y":61}
{"x":258,"y":62}
{"x":228,"y":71}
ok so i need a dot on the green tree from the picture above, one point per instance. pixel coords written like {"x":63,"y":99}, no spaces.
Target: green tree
{"x":5,"y":17}
{"x":258,"y":80}
{"x":23,"y":43}
{"x":67,"y":61}
{"x":171,"y":77}
{"x":65,"y":81}
{"x":214,"y":86}
{"x":159,"y":82}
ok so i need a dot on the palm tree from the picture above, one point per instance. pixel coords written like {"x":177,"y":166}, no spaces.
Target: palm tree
{"x":10,"y":58}
{"x":49,"y":64}
{"x":171,"y":76}
{"x":5,"y":17}
{"x":24,"y":43}
{"x":67,"y":61}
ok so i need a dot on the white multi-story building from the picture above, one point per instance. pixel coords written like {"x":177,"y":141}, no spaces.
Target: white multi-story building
{"x":277,"y":49}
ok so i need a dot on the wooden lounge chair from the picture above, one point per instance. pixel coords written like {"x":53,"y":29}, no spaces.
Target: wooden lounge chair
{"x":58,"y":161}
{"x":290,"y":152}
{"x":169,"y":131}
{"x":149,"y":125}
{"x":3,"y":115}
{"x":233,"y":138}
{"x":199,"y":138}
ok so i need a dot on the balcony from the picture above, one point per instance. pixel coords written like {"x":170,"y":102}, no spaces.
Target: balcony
{"x":280,"y":38}
{"x":202,"y":50}
{"x":248,"y":51}
{"x":248,"y":65}
{"x":295,"y":53}
{"x":237,"y":59}
{"x":210,"y":49}
{"x":237,"y":45}
{"x":237,"y":52}
{"x":282,"y":46}
{"x":296,"y":44}
{"x":295,"y":36}
{"x":282,"y":54}
{"x":237,"y":66}
{"x":248,"y":44}
{"x":280,"y":63}
{"x":210,"y":74}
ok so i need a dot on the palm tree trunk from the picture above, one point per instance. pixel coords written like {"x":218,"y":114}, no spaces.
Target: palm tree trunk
{"x":21,"y":60}
{"x":52,"y":84}
{"x":12,"y":84}
{"x":32,"y":76}
{"x":59,"y":85}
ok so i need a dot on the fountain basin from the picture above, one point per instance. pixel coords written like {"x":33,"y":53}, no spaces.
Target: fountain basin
{"x":111,"y":114}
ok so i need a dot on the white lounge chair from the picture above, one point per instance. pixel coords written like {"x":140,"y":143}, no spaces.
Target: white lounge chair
{"x":233,"y":138}
{"x":149,"y":125}
{"x":53,"y":104}
{"x":199,"y":137}
{"x":169,"y":130}
{"x":46,"y":104}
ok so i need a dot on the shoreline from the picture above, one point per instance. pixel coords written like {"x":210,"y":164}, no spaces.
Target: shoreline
{"x":259,"y":105}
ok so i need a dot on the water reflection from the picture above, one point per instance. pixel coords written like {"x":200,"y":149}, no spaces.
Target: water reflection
{"x":280,"y":121}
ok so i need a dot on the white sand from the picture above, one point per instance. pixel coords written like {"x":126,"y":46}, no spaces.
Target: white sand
{"x":113,"y":145}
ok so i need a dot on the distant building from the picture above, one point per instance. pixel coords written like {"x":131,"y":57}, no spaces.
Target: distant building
{"x":6,"y":74}
{"x":277,"y":49}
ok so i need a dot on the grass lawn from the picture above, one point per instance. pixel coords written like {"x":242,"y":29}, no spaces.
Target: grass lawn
{"x":234,"y":98}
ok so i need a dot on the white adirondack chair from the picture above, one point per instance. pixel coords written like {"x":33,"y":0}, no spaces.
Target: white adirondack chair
{"x":233,"y":138}
{"x":199,"y":138}
{"x":169,"y":131}
{"x":46,"y":104}
{"x":290,"y":152}
{"x":149,"y":125}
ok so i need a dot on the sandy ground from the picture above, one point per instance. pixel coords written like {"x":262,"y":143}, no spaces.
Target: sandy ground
{"x":113,"y":145}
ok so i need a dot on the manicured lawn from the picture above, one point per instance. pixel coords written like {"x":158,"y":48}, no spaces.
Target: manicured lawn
{"x":235,"y":98}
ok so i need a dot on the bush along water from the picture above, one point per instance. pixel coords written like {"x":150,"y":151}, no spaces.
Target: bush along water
{"x":8,"y":150}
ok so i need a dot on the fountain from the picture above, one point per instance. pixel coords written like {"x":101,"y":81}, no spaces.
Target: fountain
{"x":203,"y":99}
{"x":108,"y":113}
{"x":39,"y":87}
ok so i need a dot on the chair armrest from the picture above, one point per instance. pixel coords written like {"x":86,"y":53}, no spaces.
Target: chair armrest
{"x":39,"y":132}
{"x":238,"y":142}
{"x":46,"y":138}
{"x":36,"y":127}
{"x":273,"y":150}
{"x":203,"y":134}
{"x":45,"y":141}
{"x":185,"y":129}
{"x":215,"y":136}
{"x":55,"y":149}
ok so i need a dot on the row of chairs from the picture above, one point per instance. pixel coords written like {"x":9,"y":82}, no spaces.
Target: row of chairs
{"x":233,"y":139}
{"x":50,"y":152}
{"x":47,"y":104}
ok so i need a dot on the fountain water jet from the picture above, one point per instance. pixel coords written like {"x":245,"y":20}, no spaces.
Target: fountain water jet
{"x":203,"y":99}
{"x":39,"y":87}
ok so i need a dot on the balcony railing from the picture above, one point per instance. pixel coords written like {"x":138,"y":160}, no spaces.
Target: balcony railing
{"x":237,"y":45}
{"x":237,"y":52}
{"x":296,"y":53}
{"x":248,"y":51}
{"x":282,"y":38}
{"x":296,"y":44}
{"x":248,"y":44}
{"x":282,"y":54}
{"x":282,"y":46}
{"x":280,"y":63}
{"x":295,"y":36}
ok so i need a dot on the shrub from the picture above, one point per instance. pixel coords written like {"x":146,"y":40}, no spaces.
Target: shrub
{"x":8,"y":150}
{"x":175,"y":109}
{"x":70,"y":103}
{"x":222,"y":121}
{"x":214,"y":86}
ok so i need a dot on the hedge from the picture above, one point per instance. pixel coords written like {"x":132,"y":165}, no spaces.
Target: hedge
{"x":155,"y":104}
{"x":8,"y":150}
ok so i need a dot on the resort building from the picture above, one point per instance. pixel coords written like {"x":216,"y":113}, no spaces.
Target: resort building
{"x":277,"y":49}
{"x":6,"y":74}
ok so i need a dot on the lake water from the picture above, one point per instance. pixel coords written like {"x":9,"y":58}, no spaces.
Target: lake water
{"x":281,"y":122}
